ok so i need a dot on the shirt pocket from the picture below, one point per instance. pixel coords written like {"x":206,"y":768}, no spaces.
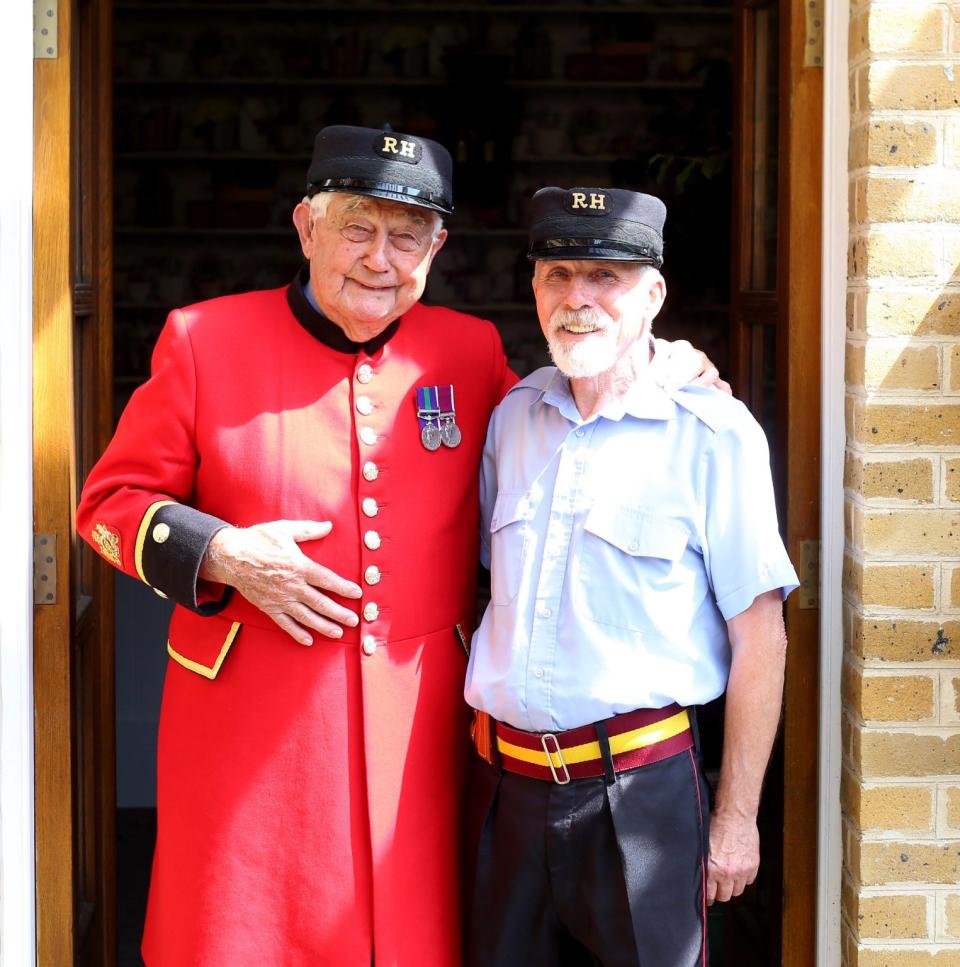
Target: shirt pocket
{"x":631,"y":566}
{"x":509,"y":544}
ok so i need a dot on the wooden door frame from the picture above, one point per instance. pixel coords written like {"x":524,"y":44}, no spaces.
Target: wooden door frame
{"x":53,"y":490}
{"x":798,"y":344}
{"x":17,"y":898}
{"x":790,"y":308}
{"x":73,"y":743}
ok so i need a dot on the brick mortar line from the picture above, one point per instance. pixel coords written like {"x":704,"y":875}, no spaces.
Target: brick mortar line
{"x":912,"y":782}
{"x":922,"y":281}
{"x":913,"y":614}
{"x":892,"y":394}
{"x":904,"y":285}
{"x":873,"y":557}
{"x":881,"y":171}
{"x":906,"y":398}
{"x":904,"y":58}
{"x":921,"y":730}
{"x":897,"y":504}
{"x":889,"y":395}
{"x":908,"y":115}
{"x":895,"y":670}
{"x":865,"y":226}
{"x":918,"y":668}
{"x":899,"y":946}
{"x":860,"y":340}
{"x":901,"y":172}
{"x":907,"y":453}
{"x":947,"y":844}
{"x":923,"y":946}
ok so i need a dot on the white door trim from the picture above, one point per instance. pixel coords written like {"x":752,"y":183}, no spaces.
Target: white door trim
{"x":17,"y":864}
{"x":835,"y":231}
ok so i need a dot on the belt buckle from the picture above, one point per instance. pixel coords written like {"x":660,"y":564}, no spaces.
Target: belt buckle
{"x":559,"y":753}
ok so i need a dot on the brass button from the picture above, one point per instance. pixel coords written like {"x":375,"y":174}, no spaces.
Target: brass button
{"x":369,"y":645}
{"x":372,"y":574}
{"x":372,"y":540}
{"x":371,"y":611}
{"x":364,"y":373}
{"x":370,"y":507}
{"x":368,"y":435}
{"x":370,"y":471}
{"x":364,"y":405}
{"x":161,"y":532}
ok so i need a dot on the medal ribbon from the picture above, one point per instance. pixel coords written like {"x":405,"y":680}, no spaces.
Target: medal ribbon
{"x":445,"y":402}
{"x":428,"y":408}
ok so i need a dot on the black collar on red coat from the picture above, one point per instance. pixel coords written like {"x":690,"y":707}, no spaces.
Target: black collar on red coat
{"x":321,"y":328}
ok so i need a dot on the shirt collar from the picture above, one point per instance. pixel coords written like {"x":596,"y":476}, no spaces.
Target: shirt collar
{"x":645,"y":400}
{"x":304,"y":307}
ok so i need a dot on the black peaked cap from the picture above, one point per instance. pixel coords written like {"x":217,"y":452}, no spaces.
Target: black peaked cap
{"x":386,"y":164}
{"x":597,"y":223}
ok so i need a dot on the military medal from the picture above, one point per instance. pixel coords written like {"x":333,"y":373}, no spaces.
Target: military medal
{"x":437,"y":415}
{"x":450,"y":435}
{"x":428,"y":415}
{"x":430,"y":436}
{"x":449,"y":431}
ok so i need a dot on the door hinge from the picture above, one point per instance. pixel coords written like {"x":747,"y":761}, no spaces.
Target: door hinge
{"x":44,"y":568}
{"x":813,"y":48}
{"x":809,"y":574}
{"x":44,"y":29}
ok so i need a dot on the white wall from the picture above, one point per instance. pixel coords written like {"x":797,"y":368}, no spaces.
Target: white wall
{"x":836,"y":132}
{"x":17,"y":916}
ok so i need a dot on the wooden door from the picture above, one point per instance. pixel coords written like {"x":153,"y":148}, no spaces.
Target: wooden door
{"x":73,"y":650}
{"x":775,"y":354}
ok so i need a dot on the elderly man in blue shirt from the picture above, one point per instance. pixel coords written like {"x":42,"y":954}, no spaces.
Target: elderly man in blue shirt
{"x":637,"y":571}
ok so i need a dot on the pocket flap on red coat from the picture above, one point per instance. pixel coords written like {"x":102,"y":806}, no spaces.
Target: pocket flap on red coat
{"x":200,"y":644}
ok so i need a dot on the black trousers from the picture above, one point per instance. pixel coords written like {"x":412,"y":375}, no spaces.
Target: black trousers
{"x":598,"y":872}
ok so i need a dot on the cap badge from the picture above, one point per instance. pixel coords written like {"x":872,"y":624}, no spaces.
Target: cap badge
{"x":587,"y":202}
{"x":108,"y":543}
{"x":398,"y":149}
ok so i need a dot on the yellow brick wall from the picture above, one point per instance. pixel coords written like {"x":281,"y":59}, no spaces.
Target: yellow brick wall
{"x":901,"y":684}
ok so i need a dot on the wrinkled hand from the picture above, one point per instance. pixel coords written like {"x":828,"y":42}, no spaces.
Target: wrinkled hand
{"x":734,"y":856}
{"x":678,"y":364}
{"x":267,"y":567}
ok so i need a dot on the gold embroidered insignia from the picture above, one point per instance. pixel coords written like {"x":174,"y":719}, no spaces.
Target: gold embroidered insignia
{"x":108,"y":543}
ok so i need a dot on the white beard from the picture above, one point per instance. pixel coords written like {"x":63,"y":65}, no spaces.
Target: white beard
{"x":588,"y":357}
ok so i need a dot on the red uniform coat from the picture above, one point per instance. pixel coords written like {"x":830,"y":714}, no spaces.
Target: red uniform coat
{"x":308,"y":798}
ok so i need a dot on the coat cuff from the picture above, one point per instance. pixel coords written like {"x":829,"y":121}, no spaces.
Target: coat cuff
{"x":171,"y":543}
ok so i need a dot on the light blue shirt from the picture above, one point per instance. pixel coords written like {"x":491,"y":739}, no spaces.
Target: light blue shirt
{"x":618,"y":549}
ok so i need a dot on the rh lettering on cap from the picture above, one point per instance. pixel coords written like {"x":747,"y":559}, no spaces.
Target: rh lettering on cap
{"x":587,"y":202}
{"x":398,"y":148}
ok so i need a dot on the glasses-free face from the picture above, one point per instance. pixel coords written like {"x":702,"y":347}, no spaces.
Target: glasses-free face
{"x":592,"y":312}
{"x":369,"y":259}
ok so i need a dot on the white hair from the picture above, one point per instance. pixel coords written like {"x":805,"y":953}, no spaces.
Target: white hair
{"x":320,"y":205}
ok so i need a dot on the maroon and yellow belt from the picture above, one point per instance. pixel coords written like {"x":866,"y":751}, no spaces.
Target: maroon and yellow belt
{"x":636,"y":739}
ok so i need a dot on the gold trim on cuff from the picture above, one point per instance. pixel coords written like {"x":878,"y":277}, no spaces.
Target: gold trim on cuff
{"x":142,"y":536}
{"x":207,"y":671}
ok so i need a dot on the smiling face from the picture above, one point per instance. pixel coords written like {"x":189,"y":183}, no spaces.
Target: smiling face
{"x":592,"y":313}
{"x":369,"y":259}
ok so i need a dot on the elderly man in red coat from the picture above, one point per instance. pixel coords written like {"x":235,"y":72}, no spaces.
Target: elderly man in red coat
{"x":299,"y":474}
